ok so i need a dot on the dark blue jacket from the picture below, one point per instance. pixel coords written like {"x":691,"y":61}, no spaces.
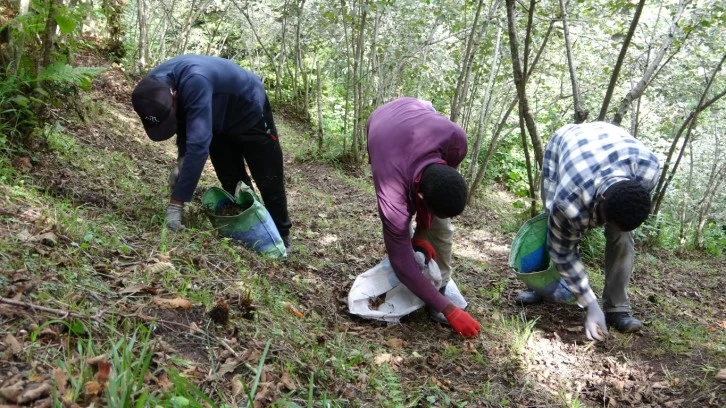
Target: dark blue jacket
{"x":215,"y":98}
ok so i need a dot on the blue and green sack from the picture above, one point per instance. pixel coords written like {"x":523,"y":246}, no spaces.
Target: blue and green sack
{"x":243,"y":218}
{"x":532,"y":265}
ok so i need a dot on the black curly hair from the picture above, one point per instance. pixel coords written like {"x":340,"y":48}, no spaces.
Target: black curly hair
{"x":627,"y":204}
{"x":444,"y":190}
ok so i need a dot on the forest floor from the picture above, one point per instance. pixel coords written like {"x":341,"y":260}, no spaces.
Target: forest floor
{"x":102,"y":306}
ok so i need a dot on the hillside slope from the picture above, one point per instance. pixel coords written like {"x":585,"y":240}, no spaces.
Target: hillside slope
{"x":93,"y":287}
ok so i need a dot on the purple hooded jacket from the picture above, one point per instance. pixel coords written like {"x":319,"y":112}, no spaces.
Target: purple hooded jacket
{"x":404,"y":136}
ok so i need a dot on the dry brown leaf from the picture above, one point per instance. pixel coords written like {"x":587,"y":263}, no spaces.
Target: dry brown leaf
{"x":33,"y":393}
{"x":395,"y":343}
{"x":95,"y":360}
{"x":264,"y":395}
{"x":293,"y":310}
{"x":61,"y":380}
{"x":237,"y":386}
{"x":12,"y":392}
{"x":176,"y":303}
{"x":13,"y":345}
{"x":382,"y":358}
{"x":229,"y":366}
{"x":287,"y":382}
{"x":159,"y":268}
{"x":104,"y":371}
{"x":93,"y":388}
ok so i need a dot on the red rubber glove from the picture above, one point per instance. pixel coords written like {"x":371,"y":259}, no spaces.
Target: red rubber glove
{"x":462,"y":322}
{"x":423,"y":246}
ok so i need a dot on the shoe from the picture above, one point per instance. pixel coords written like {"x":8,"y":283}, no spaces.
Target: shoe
{"x":528,"y":297}
{"x":623,"y":322}
{"x":288,"y":245}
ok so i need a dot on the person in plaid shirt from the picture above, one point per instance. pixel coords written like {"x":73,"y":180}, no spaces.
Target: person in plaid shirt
{"x":596,"y":174}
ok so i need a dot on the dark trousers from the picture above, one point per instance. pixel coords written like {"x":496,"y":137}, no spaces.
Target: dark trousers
{"x":260,"y":148}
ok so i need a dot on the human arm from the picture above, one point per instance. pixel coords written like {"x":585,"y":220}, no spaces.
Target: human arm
{"x":563,"y":238}
{"x":195,"y":94}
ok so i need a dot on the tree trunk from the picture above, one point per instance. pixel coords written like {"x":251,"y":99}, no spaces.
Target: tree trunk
{"x":690,"y":123}
{"x":580,"y":112}
{"x":467,"y":60}
{"x":319,"y":98}
{"x":520,"y":83}
{"x":275,"y":66}
{"x":619,"y":62}
{"x":358,"y":64}
{"x":484,"y":113}
{"x":49,"y":33}
{"x":143,"y":16}
{"x":648,"y":75}
{"x":713,"y":187}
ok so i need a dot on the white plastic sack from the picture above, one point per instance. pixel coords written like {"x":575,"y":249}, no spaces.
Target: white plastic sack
{"x":399,"y":301}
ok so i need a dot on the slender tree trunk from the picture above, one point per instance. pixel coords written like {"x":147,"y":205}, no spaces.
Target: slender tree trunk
{"x":49,"y":34}
{"x":143,"y":17}
{"x":319,"y":99}
{"x":520,"y":83}
{"x":493,"y":147}
{"x":619,"y":62}
{"x":648,"y":75}
{"x":467,"y":60}
{"x":348,"y":76}
{"x":580,"y":112}
{"x":275,"y":66}
{"x":690,"y":123}
{"x":713,"y":187}
{"x":358,"y":64}
{"x":484,"y":113}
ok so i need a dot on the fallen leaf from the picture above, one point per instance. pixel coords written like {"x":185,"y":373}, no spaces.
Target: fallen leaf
{"x":395,"y":343}
{"x":382,"y":358}
{"x":12,"y":392}
{"x":104,"y":371}
{"x":229,"y":366}
{"x":33,"y":393}
{"x":61,"y":379}
{"x":293,"y":310}
{"x":159,"y":268}
{"x":95,"y":360}
{"x":13,"y":345}
{"x":237,"y":386}
{"x":287,"y":382}
{"x":574,"y":329}
{"x":264,"y":395}
{"x":93,"y":388}
{"x":48,"y":239}
{"x":173,"y":303}
{"x":721,"y":375}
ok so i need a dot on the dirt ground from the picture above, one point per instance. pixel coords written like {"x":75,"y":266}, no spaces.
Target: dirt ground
{"x":623,"y":371}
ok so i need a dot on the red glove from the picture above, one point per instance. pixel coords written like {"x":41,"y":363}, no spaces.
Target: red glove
{"x":462,"y":322}
{"x":421,"y":245}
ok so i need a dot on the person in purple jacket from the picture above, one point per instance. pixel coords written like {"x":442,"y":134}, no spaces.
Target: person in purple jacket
{"x":217,"y":110}
{"x":414,"y":154}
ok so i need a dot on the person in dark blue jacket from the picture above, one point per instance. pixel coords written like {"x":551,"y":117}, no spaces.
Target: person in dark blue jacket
{"x":220,"y":110}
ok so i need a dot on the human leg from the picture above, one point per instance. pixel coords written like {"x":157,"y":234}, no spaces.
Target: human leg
{"x":440,"y":234}
{"x":228,"y":161}
{"x":619,"y":256}
{"x":264,"y":159}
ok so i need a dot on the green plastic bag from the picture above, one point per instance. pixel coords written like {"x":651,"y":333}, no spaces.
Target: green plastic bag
{"x":243,"y":218}
{"x":532,"y":265}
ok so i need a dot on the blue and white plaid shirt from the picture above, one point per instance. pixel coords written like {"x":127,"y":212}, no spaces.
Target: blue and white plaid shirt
{"x":580,"y":163}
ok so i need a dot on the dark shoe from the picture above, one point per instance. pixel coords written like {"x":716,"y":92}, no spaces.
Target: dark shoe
{"x":623,"y":322}
{"x":528,"y":297}
{"x":288,"y":245}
